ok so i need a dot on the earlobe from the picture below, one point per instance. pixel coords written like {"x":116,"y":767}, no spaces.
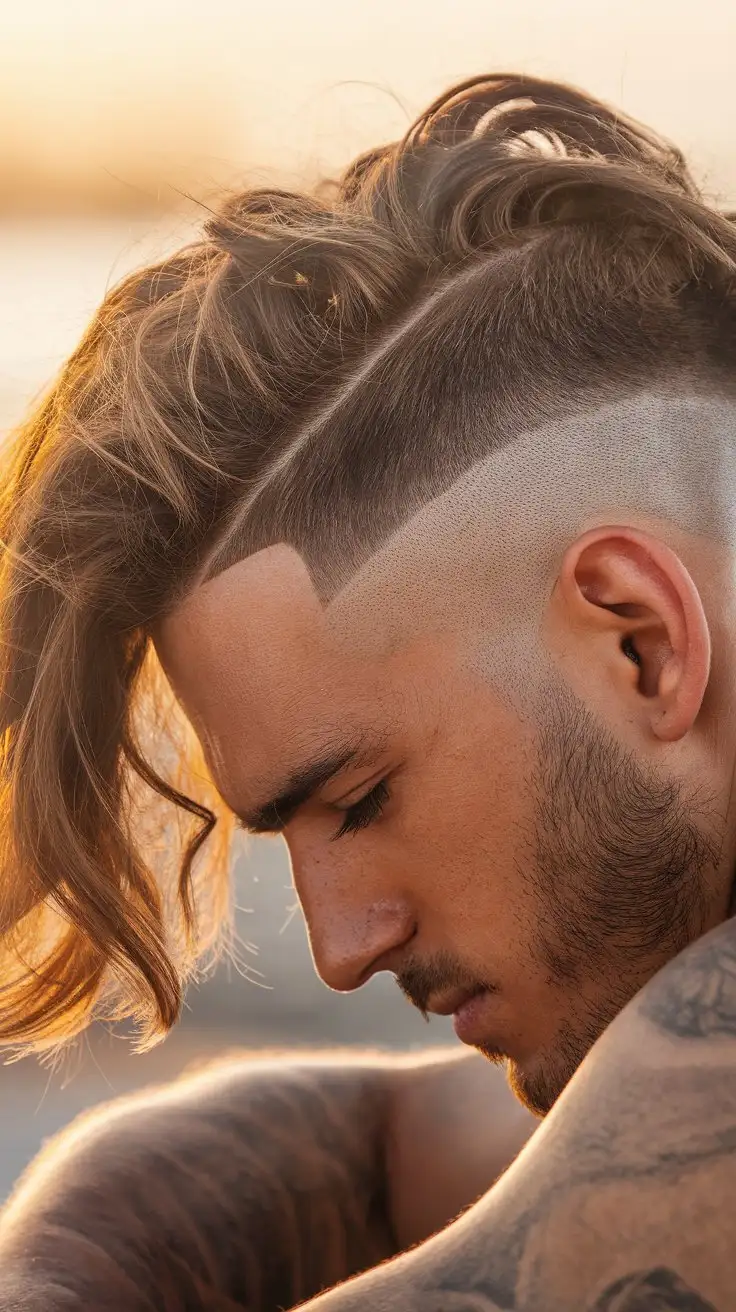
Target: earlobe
{"x":632,"y":597}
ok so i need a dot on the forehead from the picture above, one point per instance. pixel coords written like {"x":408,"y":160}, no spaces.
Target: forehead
{"x":265,"y":677}
{"x":247,"y":637}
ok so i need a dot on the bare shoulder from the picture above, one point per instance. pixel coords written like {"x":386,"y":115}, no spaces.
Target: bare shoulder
{"x":173,"y":1197}
{"x":455,"y":1127}
{"x":622,"y":1200}
{"x":329,"y":1162}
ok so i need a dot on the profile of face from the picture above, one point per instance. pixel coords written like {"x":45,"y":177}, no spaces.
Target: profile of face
{"x":520,"y":815}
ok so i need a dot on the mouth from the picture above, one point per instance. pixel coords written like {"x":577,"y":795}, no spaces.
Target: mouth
{"x":469,"y":1009}
{"x":471,"y":1020}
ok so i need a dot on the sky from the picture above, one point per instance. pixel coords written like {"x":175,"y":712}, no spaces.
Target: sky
{"x":103,"y":100}
{"x":150,"y":92}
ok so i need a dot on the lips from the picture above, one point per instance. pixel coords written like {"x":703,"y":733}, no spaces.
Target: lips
{"x":475,"y":1014}
{"x":471,"y":1018}
{"x":470,"y":1009}
{"x":447,"y":1004}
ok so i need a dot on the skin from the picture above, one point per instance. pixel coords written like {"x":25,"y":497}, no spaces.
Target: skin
{"x":173,"y":1198}
{"x":621,"y":1201}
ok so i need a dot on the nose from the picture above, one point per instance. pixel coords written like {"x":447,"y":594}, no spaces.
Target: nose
{"x":357,"y":926}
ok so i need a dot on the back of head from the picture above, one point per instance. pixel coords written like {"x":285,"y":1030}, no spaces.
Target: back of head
{"x":522,"y":250}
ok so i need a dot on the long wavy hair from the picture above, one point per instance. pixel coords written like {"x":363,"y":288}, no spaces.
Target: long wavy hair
{"x":193,"y":376}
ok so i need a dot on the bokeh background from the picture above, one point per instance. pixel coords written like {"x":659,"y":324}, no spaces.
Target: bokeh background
{"x":119,"y":121}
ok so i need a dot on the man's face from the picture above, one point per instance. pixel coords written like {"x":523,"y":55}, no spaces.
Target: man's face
{"x":500,"y":745}
{"x":506,"y":858}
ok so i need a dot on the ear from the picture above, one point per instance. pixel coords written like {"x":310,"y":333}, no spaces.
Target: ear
{"x":633,"y":605}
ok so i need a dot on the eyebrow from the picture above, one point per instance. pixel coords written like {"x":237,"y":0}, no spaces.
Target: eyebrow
{"x":271,"y":817}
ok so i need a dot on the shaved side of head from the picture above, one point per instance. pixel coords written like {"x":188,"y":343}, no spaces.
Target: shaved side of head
{"x":507,"y":415}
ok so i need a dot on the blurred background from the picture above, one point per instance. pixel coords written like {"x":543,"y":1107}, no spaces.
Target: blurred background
{"x":119,"y":121}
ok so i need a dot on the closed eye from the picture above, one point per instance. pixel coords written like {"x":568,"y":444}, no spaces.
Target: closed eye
{"x":363,"y":813}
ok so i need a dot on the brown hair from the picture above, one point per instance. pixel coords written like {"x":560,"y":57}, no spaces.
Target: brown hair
{"x":575,"y":235}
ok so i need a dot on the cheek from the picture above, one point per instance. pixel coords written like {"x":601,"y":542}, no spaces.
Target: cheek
{"x":487,"y":769}
{"x":470,"y":822}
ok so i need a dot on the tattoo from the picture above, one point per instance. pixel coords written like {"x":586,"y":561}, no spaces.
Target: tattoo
{"x":695,"y":996}
{"x":659,"y":1290}
{"x":250,"y":1186}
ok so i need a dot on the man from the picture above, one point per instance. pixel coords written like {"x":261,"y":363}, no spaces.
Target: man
{"x":427,"y":504}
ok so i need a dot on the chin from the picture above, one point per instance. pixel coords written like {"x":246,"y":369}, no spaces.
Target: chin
{"x":531,"y":1093}
{"x":535,"y":1083}
{"x":539,"y":1080}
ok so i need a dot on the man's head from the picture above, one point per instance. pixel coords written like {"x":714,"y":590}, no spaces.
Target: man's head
{"x":427,"y":502}
{"x":498,"y":749}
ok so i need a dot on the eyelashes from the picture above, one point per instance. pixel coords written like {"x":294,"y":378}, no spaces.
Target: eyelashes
{"x":364,"y":812}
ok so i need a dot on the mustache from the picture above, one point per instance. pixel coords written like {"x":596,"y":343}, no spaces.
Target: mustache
{"x":422,"y":979}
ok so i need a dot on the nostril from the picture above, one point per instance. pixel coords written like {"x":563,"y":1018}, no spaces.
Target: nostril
{"x":391,"y":961}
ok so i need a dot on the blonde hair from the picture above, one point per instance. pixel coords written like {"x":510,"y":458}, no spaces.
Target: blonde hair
{"x":191,"y":381}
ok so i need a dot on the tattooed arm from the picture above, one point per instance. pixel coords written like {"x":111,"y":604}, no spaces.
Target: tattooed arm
{"x":255,"y":1184}
{"x":622,"y":1200}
